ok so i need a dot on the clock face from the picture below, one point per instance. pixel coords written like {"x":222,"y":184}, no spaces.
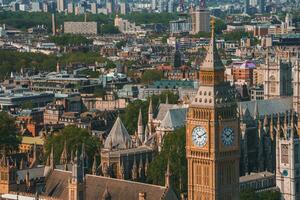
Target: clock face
{"x":285,"y":172}
{"x":199,"y":136}
{"x":227,"y":136}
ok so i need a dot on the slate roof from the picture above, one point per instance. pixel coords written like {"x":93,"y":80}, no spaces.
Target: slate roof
{"x":38,"y":172}
{"x":175,"y":118}
{"x":268,"y":106}
{"x":118,"y":137}
{"x":163,"y":109}
{"x":57,"y":187}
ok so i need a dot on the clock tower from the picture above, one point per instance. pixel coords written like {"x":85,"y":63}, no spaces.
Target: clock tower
{"x":212,"y":139}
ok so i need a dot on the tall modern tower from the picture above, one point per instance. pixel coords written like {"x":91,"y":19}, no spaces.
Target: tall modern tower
{"x":53,"y":24}
{"x":246,"y":6}
{"x":60,"y":5}
{"x":212,"y":134}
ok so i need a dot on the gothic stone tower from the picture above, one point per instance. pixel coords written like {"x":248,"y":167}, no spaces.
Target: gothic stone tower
{"x":288,"y":159}
{"x":277,"y":78}
{"x":77,"y":182}
{"x":212,"y":139}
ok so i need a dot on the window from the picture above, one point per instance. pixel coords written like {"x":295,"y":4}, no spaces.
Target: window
{"x":285,"y":153}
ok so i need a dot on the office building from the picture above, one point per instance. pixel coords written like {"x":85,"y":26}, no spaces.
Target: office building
{"x":88,"y":28}
{"x":200,"y":21}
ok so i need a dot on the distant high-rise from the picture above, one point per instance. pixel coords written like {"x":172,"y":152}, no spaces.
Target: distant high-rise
{"x":45,"y":7}
{"x":261,"y":6}
{"x":70,"y":7}
{"x":153,"y":4}
{"x":94,"y":8}
{"x":35,"y":7}
{"x":60,"y":5}
{"x":200,"y":21}
{"x":123,"y":7}
{"x":246,"y":6}
{"x":110,"y":6}
{"x":53,"y":24}
{"x":161,"y":6}
{"x":171,"y":6}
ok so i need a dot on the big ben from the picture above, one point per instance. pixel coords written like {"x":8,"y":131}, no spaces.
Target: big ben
{"x":212,"y":139}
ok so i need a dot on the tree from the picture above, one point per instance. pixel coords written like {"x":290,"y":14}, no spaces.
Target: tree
{"x":74,"y":137}
{"x":173,"y":151}
{"x":27,"y":105}
{"x":9,"y":139}
{"x":151,"y":75}
{"x":250,"y":194}
{"x":69,"y":39}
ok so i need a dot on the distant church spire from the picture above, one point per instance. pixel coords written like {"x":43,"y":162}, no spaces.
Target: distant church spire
{"x":140,"y":128}
{"x":64,"y":155}
{"x":52,"y":161}
{"x":168,"y":176}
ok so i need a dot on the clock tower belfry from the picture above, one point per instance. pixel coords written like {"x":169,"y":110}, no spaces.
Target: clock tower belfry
{"x":212,"y":134}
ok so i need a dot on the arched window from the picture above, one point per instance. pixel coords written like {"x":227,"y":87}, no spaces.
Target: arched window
{"x":272,"y":84}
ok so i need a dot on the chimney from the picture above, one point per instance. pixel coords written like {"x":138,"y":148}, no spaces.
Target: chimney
{"x":142,"y":195}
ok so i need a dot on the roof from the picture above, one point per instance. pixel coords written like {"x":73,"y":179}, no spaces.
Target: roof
{"x":57,"y":187}
{"x":118,"y":137}
{"x":212,"y":60}
{"x":175,"y":118}
{"x":255,"y":176}
{"x":163,"y":109}
{"x":267,"y":107}
{"x":172,"y":84}
{"x":33,"y":140}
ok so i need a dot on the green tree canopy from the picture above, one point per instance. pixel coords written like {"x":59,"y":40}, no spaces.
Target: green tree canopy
{"x":151,"y":75}
{"x":9,"y":139}
{"x":249,"y":194}
{"x":173,"y":151}
{"x":74,"y":137}
{"x":236,"y":35}
{"x":70,"y":40}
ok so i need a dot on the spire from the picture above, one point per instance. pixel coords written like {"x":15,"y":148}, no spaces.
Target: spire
{"x":64,"y":154}
{"x":122,"y":170}
{"x":134,"y":169}
{"x":150,"y":111}
{"x":94,"y":168}
{"x":146,"y":134}
{"x":167,"y":99}
{"x":146,"y":164}
{"x":34,"y":160}
{"x":140,"y":128}
{"x":141,"y":172}
{"x":212,"y":61}
{"x":77,"y":171}
{"x":83,"y":158}
{"x":265,"y":121}
{"x":168,"y":175}
{"x":256,"y":113}
{"x":52,"y":162}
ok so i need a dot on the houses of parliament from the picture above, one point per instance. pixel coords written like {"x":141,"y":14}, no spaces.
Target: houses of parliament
{"x":226,"y":142}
